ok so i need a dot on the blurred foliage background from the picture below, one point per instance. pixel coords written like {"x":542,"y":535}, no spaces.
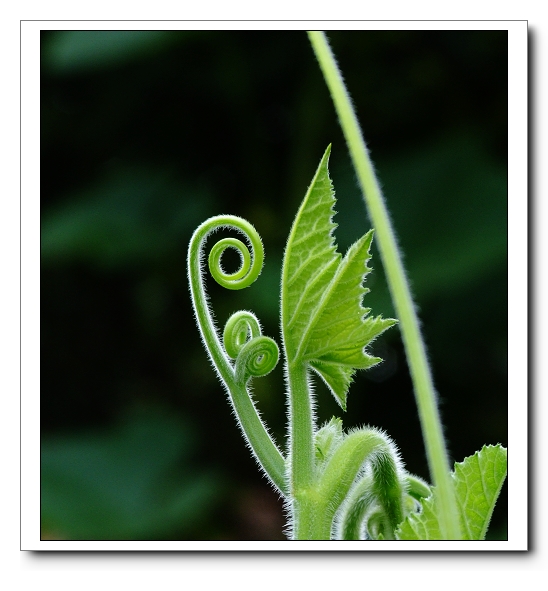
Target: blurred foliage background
{"x":144,"y":134}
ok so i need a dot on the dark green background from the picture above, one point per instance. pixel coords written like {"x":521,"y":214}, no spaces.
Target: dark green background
{"x":146,"y":134}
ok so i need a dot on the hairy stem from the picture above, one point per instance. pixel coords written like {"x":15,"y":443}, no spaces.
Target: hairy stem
{"x":358,"y":447}
{"x":358,"y":502}
{"x":399,"y":289}
{"x":320,"y":502}
{"x":301,"y":449}
{"x":265,"y":450}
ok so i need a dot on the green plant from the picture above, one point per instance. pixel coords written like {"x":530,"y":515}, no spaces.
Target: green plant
{"x":338,"y":485}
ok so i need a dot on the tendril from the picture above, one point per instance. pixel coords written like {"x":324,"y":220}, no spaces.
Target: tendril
{"x":249,"y":269}
{"x":252,"y":258}
{"x":257,"y":358}
{"x":255,"y":355}
{"x":239,"y":328}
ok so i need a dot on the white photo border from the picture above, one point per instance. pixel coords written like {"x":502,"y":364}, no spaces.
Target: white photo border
{"x":517,"y":296}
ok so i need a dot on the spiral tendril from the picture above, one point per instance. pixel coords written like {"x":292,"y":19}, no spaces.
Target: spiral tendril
{"x":249,"y":269}
{"x":242,"y":340}
{"x":240,"y":327}
{"x":255,"y":355}
{"x":258,"y":357}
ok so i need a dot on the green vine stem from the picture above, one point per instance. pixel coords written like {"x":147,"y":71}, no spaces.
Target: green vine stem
{"x":255,"y":355}
{"x":399,"y":289}
{"x":301,"y":451}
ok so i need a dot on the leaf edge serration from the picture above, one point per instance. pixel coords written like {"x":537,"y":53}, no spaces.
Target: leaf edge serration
{"x":415,"y":521}
{"x":337,"y":364}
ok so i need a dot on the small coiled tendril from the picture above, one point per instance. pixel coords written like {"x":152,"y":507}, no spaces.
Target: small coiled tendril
{"x":241,"y":327}
{"x":249,"y":269}
{"x":255,"y":355}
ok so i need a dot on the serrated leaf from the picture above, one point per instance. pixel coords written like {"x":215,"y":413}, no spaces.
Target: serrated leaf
{"x":324,"y":323}
{"x":477,"y":480}
{"x":423,"y":525}
{"x":310,"y":260}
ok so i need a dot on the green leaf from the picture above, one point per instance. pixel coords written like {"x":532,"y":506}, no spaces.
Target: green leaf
{"x":477,"y":480}
{"x":325,"y":325}
{"x":423,"y":525}
{"x":327,"y":439}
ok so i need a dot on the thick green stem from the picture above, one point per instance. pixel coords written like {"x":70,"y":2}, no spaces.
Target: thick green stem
{"x":399,"y":289}
{"x":301,"y":451}
{"x":314,"y":519}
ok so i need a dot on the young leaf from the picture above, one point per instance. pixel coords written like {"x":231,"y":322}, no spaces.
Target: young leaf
{"x":423,"y":525}
{"x":327,"y":439}
{"x":477,"y":482}
{"x":324,"y":323}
